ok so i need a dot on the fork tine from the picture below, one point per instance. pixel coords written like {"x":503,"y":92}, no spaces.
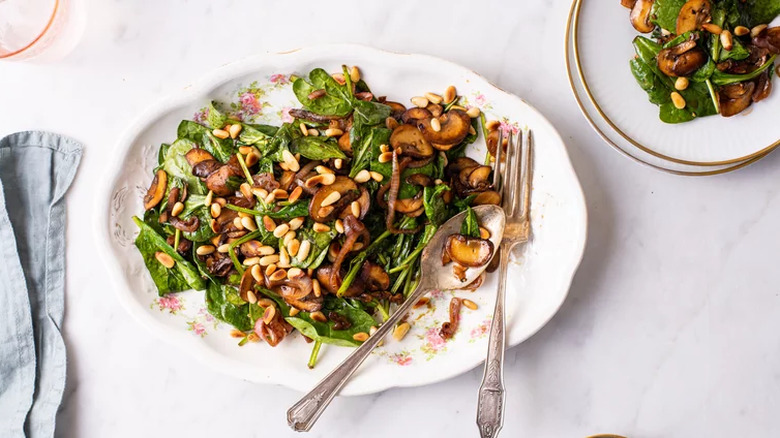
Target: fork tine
{"x":517,"y":158}
{"x":524,"y":180}
{"x":506,"y":185}
{"x":498,"y":182}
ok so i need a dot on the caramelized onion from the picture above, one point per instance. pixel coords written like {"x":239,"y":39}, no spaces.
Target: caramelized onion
{"x":395,"y":184}
{"x":449,"y":328}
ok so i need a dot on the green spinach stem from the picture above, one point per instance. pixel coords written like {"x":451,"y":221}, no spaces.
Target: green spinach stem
{"x":314,"y":353}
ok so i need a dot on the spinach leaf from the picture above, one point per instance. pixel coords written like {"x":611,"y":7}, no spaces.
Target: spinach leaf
{"x":291,"y":211}
{"x":705,"y":72}
{"x":761,"y":11}
{"x":665,"y":13}
{"x":251,"y":135}
{"x":273,"y":148}
{"x":176,"y":165}
{"x":319,"y":246}
{"x":148,"y":243}
{"x":737,"y":53}
{"x":221,"y":149}
{"x":316,"y":148}
{"x":364,"y":152}
{"x":215,"y":117}
{"x":470,"y":225}
{"x":370,"y":113}
{"x":225,"y":304}
{"x":433,"y":201}
{"x":166,"y":280}
{"x":461,"y":204}
{"x":204,"y":231}
{"x":648,"y":81}
{"x":335,"y":102}
{"x":324,"y":332}
{"x":161,"y":153}
{"x":720,"y":78}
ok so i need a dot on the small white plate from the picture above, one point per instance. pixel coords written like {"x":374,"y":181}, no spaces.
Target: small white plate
{"x":602,"y":37}
{"x":538,"y":281}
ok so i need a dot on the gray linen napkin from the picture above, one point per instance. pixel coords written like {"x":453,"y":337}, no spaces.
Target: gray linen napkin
{"x":36,"y":169}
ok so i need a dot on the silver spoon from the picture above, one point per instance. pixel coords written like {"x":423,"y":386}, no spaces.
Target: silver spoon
{"x":302,"y":415}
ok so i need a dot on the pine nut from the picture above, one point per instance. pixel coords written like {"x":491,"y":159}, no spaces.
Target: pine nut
{"x":435,"y":125}
{"x":216,"y":210}
{"x":376,"y":176}
{"x":362,"y":176}
{"x":304,"y":129}
{"x":281,"y":230}
{"x":288,"y":236}
{"x":270,"y":198}
{"x":257,"y":273}
{"x":290,"y":161}
{"x":246,"y":190}
{"x":270,"y":269}
{"x":269,"y":314}
{"x":387,"y":157}
{"x":333,"y":250}
{"x":235,"y":130}
{"x":320,"y":228}
{"x":164,"y":259}
{"x":278,"y":275}
{"x":384,"y":148}
{"x":178,"y":207}
{"x":265,"y":302}
{"x":261,"y":193}
{"x":421,"y":302}
{"x":492,"y":125}
{"x":337,"y":163}
{"x":458,"y":107}
{"x":339,"y":225}
{"x":313,"y":132}
{"x":220,"y":133}
{"x":269,"y":259}
{"x":296,"y":193}
{"x":209,"y":198}
{"x":249,"y":223}
{"x":236,"y":334}
{"x":450,"y":94}
{"x":283,"y":165}
{"x":237,"y":223}
{"x":360,"y":336}
{"x":472,"y":131}
{"x":296,"y":223}
{"x":318,"y":316}
{"x":293,"y":246}
{"x":204,"y":250}
{"x":331,"y":199}
{"x":333,"y":132}
{"x":391,"y":123}
{"x":357,"y":246}
{"x":221,"y":201}
{"x":355,"y":209}
{"x":354,"y":73}
{"x":245,"y":150}
{"x":470,"y":304}
{"x":269,"y":223}
{"x":325,"y":211}
{"x":294,"y":311}
{"x":284,"y":258}
{"x":280,"y":194}
{"x":484,"y":233}
{"x":223,"y":248}
{"x":727,"y":40}
{"x":313,"y":181}
{"x":678,"y":100}
{"x":473,"y":112}
{"x":712,"y":28}
{"x":756,"y":31}
{"x":266,"y":250}
{"x":215,"y":241}
{"x":681,"y":83}
{"x":303,"y":250}
{"x":252,"y":159}
{"x":213,"y":225}
{"x":294,"y":273}
{"x":323,"y":170}
{"x":419,"y":101}
{"x":401,"y":331}
{"x":433,"y":98}
{"x":338,"y":77}
{"x":250,"y":296}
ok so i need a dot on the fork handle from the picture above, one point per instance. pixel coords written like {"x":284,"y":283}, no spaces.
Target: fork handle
{"x":303,"y":414}
{"x":490,"y":407}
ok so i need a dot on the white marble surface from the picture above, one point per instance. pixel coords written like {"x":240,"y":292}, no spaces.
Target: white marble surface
{"x":671,"y":327}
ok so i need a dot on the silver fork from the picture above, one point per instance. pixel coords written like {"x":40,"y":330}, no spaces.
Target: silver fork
{"x":515,"y":188}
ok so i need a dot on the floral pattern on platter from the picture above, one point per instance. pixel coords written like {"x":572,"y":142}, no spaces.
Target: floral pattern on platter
{"x":271,"y":102}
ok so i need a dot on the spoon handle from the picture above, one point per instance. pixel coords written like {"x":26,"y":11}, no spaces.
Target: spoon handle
{"x":302,"y":415}
{"x":490,"y":407}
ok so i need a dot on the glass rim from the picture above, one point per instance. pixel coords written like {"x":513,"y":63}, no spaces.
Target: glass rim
{"x":37,"y":38}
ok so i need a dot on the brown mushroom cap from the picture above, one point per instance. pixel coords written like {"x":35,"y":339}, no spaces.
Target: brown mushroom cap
{"x":348,"y":190}
{"x":344,"y":143}
{"x":490,"y":197}
{"x":218,"y":181}
{"x":478,"y":178}
{"x":769,"y":39}
{"x":455,"y":126}
{"x":472,"y":252}
{"x":627,"y":3}
{"x":205,"y":168}
{"x":735,"y":98}
{"x":693,"y":14}
{"x":640,"y":15}
{"x":409,"y":141}
{"x":156,"y":191}
{"x":374,"y":277}
{"x":409,"y":205}
{"x":413,"y":114}
{"x":681,"y":60}
{"x":763,"y":86}
{"x":396,"y":108}
{"x":364,"y":200}
{"x":196,"y":155}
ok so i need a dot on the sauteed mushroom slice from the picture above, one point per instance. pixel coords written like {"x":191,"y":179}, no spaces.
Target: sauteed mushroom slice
{"x":681,"y":60}
{"x":364,"y":201}
{"x":735,"y":98}
{"x":156,"y":191}
{"x":641,"y":11}
{"x":693,"y":14}
{"x":769,"y":39}
{"x":374,"y":277}
{"x":218,"y":180}
{"x":343,"y":189}
{"x":627,"y":3}
{"x":469,"y":251}
{"x":397,"y":109}
{"x":196,"y":155}
{"x":205,"y":168}
{"x":410,"y":141}
{"x":454,"y":127}
{"x":412,"y":115}
{"x":490,"y":197}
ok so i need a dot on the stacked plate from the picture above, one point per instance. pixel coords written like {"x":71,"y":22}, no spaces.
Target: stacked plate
{"x":598,"y":51}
